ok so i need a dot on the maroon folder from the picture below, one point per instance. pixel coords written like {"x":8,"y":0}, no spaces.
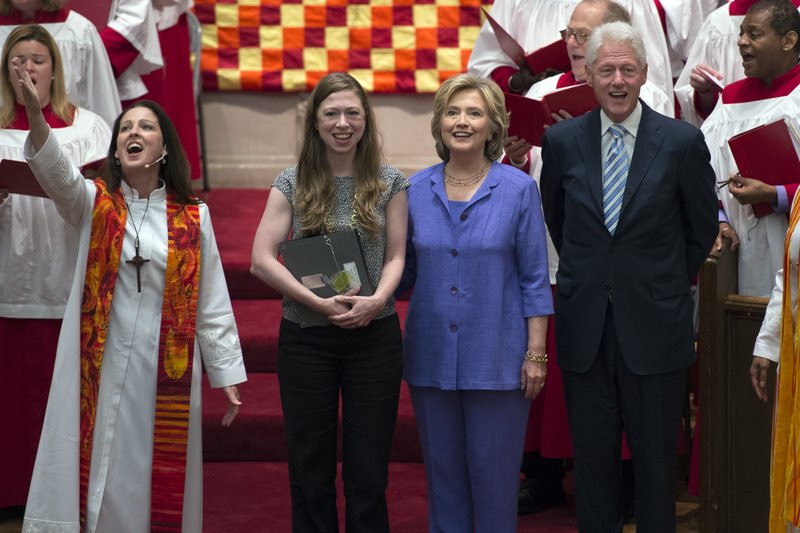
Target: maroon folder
{"x":528,"y":117}
{"x":766,"y":153}
{"x":17,"y":177}
{"x":554,"y":55}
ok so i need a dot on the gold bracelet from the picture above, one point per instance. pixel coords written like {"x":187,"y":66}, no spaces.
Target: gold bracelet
{"x":535,"y":357}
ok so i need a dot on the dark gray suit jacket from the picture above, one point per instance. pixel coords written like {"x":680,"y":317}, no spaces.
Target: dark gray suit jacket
{"x":666,"y":229}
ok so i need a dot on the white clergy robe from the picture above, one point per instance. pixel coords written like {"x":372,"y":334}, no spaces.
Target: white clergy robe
{"x":37,"y":250}
{"x":715,"y":46}
{"x":536,"y":23}
{"x":760,"y":253}
{"x":119,"y":483}
{"x":89,"y":79}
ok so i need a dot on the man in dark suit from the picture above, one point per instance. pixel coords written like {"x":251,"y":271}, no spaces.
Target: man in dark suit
{"x":629,"y":200}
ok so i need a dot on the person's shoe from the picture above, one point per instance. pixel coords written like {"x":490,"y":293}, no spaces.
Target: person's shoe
{"x":535,"y":496}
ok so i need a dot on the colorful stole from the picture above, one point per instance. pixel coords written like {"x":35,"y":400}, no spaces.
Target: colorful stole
{"x":785,"y":478}
{"x":176,"y":346}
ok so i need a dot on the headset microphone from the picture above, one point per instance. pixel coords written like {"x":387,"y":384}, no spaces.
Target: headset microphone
{"x":148,"y":165}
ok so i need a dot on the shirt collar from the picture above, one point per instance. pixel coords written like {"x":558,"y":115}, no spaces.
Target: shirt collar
{"x":631,"y":124}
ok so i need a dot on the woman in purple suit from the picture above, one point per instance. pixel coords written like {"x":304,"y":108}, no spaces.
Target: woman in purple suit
{"x":475,"y":332}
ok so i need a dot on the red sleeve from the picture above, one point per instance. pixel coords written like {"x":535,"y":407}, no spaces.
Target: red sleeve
{"x":696,"y":99}
{"x":120,"y":51}
{"x":500,"y":76}
{"x":791,"y":190}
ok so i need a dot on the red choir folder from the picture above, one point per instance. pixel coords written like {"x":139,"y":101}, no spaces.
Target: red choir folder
{"x":528,"y":117}
{"x":766,"y":153}
{"x":554,"y":55}
{"x":17,"y":177}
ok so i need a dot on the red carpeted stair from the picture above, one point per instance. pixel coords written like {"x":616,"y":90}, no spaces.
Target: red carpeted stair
{"x":246,"y":483}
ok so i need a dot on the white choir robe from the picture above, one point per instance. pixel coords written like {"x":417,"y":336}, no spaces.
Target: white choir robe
{"x":760,"y":253}
{"x":684,"y":18}
{"x":119,"y":483}
{"x":89,"y":80}
{"x":135,"y":20}
{"x":650,"y":94}
{"x":715,"y":46}
{"x":536,"y":23}
{"x":37,"y":250}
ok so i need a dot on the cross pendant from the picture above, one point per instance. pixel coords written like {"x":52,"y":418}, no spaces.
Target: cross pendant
{"x":138,"y":261}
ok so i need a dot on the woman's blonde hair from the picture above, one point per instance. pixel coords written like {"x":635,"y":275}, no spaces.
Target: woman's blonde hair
{"x":6,"y":7}
{"x":495,"y":111}
{"x":59,"y":102}
{"x":315,"y":192}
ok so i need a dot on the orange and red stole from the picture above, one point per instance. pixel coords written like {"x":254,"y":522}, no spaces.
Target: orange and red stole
{"x":175,"y":353}
{"x":785,"y":478}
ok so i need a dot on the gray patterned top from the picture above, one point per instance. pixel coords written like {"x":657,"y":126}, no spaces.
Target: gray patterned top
{"x":342,"y":211}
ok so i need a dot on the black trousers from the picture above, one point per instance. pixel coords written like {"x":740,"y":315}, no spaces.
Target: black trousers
{"x":315,"y":366}
{"x":602,"y":402}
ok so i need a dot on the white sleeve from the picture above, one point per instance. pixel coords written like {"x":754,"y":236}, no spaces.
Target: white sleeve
{"x":61,"y":180}
{"x":768,"y":342}
{"x":217,"y":335}
{"x":486,"y":54}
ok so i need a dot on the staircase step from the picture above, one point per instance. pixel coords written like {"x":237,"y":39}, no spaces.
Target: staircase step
{"x":258,"y":433}
{"x":238,"y":496}
{"x":258,"y":322}
{"x":236,"y":214}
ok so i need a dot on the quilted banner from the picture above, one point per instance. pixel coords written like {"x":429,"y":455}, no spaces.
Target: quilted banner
{"x":390,"y":46}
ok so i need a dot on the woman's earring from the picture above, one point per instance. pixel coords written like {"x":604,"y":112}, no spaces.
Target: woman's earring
{"x":164,"y":161}
{"x":116,"y":160}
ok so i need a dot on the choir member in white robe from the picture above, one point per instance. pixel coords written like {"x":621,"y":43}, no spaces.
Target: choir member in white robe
{"x":715,"y":47}
{"x":119,"y":482}
{"x":37,"y":255}
{"x":89,"y":78}
{"x":683,"y":20}
{"x":131,"y":40}
{"x":536,"y":23}
{"x":770,"y":92}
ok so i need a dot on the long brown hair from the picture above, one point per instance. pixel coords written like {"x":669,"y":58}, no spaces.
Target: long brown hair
{"x":315,"y":192}
{"x":59,"y":102}
{"x":175,"y":172}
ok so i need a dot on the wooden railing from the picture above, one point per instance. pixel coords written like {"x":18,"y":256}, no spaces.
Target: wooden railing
{"x":735,"y":427}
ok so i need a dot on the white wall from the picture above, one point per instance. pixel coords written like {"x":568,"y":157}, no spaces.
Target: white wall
{"x":251,"y":137}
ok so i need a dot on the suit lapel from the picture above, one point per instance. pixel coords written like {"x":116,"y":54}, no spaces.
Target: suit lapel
{"x":589,"y":148}
{"x":648,"y":142}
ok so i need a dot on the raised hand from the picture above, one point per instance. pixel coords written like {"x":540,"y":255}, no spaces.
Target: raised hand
{"x":29,"y":95}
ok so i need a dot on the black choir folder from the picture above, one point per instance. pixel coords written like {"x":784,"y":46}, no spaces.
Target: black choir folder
{"x":328,"y":265}
{"x":766,"y":153}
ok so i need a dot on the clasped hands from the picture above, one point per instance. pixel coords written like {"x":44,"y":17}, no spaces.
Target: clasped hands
{"x":349,"y":311}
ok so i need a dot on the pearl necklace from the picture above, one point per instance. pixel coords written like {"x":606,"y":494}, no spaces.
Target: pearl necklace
{"x":466,"y":182}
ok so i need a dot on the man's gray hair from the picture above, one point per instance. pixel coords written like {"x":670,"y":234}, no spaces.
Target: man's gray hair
{"x":615,"y":33}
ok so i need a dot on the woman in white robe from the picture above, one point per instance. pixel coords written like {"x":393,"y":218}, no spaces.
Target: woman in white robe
{"x":119,"y":483}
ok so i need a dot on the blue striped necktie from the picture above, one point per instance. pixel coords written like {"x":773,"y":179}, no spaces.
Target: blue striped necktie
{"x":615,"y":173}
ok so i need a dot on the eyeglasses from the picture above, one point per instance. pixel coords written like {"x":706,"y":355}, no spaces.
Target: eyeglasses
{"x":580,"y":37}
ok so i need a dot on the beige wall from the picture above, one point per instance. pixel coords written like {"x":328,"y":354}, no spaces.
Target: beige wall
{"x":251,"y":137}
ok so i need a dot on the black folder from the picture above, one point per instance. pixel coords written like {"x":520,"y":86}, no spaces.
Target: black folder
{"x":328,"y":265}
